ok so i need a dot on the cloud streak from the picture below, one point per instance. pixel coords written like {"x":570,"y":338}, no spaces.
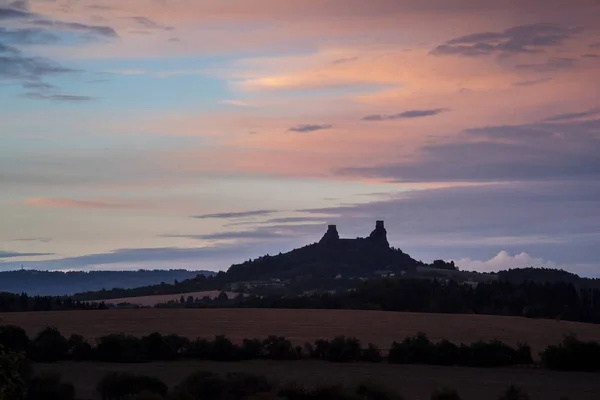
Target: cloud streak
{"x":233,"y":215}
{"x":570,"y":116}
{"x":12,"y":254}
{"x":523,"y":39}
{"x":309,"y":128}
{"x":405,"y":115}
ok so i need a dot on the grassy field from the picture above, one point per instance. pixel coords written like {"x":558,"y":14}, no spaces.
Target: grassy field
{"x":415,"y":382}
{"x":381,"y":328}
{"x":165,"y":298}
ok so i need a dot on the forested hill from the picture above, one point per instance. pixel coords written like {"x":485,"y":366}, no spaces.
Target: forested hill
{"x":546,"y":275}
{"x":55,"y":283}
{"x":330,"y":257}
{"x":315,"y":266}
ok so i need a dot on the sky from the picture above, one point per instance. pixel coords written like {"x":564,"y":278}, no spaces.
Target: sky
{"x":198,"y":134}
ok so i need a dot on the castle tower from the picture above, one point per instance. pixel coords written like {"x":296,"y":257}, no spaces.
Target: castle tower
{"x":331,"y":236}
{"x":379,"y":234}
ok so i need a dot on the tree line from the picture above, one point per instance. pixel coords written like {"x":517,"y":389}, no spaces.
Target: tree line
{"x":50,"y":345}
{"x":527,"y":299}
{"x":10,"y":302}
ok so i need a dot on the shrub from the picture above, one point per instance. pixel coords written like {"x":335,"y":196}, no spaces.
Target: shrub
{"x":145,"y":395}
{"x":15,"y":371}
{"x":48,"y":386}
{"x":242,"y":385}
{"x":371,"y":354}
{"x":413,"y":350}
{"x":209,"y":386}
{"x":487,"y":354}
{"x":199,"y":349}
{"x":121,"y":348}
{"x":445,"y":394}
{"x":80,"y":349}
{"x":279,"y":348}
{"x":13,"y":338}
{"x":295,"y":392}
{"x":342,"y":349}
{"x":222,"y":349}
{"x":374,"y":391}
{"x":159,"y":347}
{"x":118,"y":385}
{"x":446,"y":353}
{"x":320,"y":349}
{"x":523,"y":354}
{"x":49,"y":346}
{"x":572,"y":354}
{"x":514,"y":393}
{"x":251,"y":349}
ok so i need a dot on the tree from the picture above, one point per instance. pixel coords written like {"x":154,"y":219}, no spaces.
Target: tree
{"x":15,"y":372}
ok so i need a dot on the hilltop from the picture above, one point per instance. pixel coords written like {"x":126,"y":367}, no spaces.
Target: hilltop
{"x":330,"y":257}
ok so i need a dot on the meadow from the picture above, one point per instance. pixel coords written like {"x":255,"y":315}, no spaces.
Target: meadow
{"x":415,"y":382}
{"x":300,"y":326}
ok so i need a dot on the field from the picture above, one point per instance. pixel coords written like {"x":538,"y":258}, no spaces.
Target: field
{"x":380,"y":328}
{"x":415,"y":382}
{"x":165,"y":298}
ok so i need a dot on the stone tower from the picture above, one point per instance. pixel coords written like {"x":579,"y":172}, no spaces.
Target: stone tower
{"x":379,"y":234}
{"x":331,"y":236}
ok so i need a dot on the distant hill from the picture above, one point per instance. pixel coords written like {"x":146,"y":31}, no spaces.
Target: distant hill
{"x":55,"y":283}
{"x":317,"y":264}
{"x":546,"y":275}
{"x":328,"y":258}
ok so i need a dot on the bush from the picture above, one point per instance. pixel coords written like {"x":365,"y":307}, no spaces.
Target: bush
{"x":15,"y":371}
{"x":487,"y":354}
{"x":159,"y":347}
{"x":49,"y":346}
{"x":148,"y":396}
{"x":251,"y":349}
{"x":320,"y":349}
{"x":371,"y":354}
{"x":373,"y":391}
{"x":342,"y":349}
{"x":523,"y":354}
{"x":222,"y":349}
{"x":445,"y":394}
{"x":121,"y":348}
{"x":118,"y":385}
{"x":279,"y":348}
{"x":199,"y":349}
{"x":413,"y":350}
{"x":13,"y":338}
{"x":514,"y":393}
{"x":80,"y":349}
{"x":572,"y":354}
{"x":295,"y":392}
{"x":207,"y":385}
{"x":446,"y":353}
{"x":48,"y":386}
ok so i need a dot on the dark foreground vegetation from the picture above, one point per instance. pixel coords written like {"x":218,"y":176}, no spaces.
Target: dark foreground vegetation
{"x":17,"y":382}
{"x":51,"y":346}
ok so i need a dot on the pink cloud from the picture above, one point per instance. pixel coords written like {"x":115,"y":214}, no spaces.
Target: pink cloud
{"x":46,"y":202}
